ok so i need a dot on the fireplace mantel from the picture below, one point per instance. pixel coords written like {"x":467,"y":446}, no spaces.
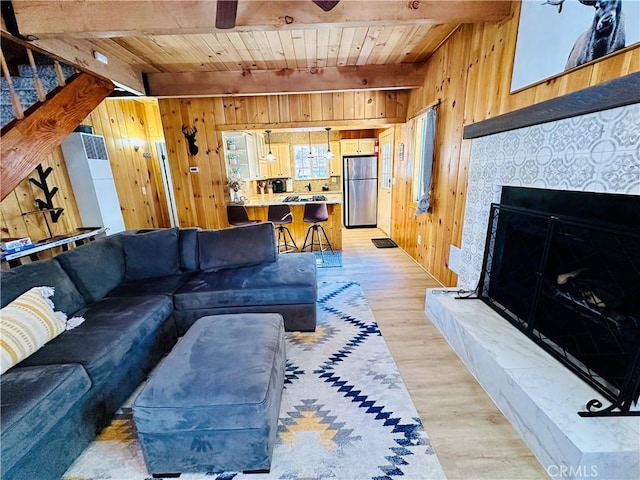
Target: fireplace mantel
{"x":614,"y":93}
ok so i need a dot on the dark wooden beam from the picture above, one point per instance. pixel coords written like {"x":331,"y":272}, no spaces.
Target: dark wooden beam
{"x":30,"y":140}
{"x":106,"y":18}
{"x":614,"y":93}
{"x":265,"y":82}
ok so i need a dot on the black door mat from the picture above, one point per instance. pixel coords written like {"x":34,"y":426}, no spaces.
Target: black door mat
{"x":384,"y":243}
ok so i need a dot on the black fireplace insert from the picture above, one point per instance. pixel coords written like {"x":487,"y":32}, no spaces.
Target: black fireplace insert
{"x":564,"y":268}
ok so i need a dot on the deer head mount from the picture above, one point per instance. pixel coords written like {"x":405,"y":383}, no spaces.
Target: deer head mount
{"x":190,"y":134}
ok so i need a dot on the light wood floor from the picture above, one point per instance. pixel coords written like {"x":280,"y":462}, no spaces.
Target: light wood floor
{"x":471,"y":437}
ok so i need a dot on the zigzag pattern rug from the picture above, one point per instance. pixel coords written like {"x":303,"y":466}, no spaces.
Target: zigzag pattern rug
{"x":328,"y":259}
{"x":345,"y":412}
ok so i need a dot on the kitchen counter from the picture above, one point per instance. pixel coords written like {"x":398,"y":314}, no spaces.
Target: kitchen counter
{"x":258,"y":206}
{"x":267,"y":199}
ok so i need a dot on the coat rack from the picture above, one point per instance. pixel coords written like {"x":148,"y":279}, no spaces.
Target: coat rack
{"x":46,"y":206}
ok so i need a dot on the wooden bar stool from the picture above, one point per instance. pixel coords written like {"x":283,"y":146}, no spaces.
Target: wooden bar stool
{"x":316,"y":213}
{"x":281,"y":215}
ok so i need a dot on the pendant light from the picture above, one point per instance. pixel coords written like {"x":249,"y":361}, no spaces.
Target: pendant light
{"x":329,"y":155}
{"x":310,"y":156}
{"x":270,"y":156}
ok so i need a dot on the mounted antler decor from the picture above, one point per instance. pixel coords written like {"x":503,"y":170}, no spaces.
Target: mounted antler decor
{"x":190,"y":135}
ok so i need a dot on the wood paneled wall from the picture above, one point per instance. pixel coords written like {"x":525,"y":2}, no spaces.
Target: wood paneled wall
{"x":470,"y":75}
{"x":138,"y":181}
{"x":201,"y":196}
{"x":23,"y":200}
{"x":118,"y":121}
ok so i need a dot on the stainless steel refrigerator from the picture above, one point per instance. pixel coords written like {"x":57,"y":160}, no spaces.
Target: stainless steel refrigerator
{"x":360,"y":191}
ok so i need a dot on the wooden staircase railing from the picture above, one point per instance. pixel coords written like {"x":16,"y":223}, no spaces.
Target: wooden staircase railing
{"x":42,"y":95}
{"x":37,"y":84}
{"x":18,"y":111}
{"x":31,"y":137}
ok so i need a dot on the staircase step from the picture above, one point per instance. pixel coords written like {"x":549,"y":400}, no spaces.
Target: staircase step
{"x":27,"y":96}
{"x":46,"y":70}
{"x":6,"y":113}
{"x":27,"y":83}
{"x":24,"y":85}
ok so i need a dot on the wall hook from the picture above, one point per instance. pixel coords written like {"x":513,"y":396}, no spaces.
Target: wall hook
{"x":190,"y":135}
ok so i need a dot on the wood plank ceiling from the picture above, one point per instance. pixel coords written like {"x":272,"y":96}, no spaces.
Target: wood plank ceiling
{"x":274,"y":50}
{"x":168,"y":39}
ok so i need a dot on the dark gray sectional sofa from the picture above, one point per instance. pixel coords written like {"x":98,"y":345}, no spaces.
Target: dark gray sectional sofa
{"x":138,"y":292}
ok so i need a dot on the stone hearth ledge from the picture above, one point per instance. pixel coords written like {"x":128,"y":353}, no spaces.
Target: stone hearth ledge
{"x":538,"y":395}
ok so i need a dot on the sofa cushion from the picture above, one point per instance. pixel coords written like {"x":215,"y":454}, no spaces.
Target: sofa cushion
{"x":113,"y":327}
{"x":26,"y":324}
{"x":237,"y":246}
{"x":188,"y":249}
{"x":289,"y":280}
{"x":151,"y":254}
{"x":34,"y":399}
{"x":16,"y":281}
{"x":166,"y":285}
{"x":95,"y":268}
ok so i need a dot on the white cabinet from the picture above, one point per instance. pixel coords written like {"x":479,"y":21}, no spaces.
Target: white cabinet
{"x":362,"y":146}
{"x":92,"y":181}
{"x":241,"y":155}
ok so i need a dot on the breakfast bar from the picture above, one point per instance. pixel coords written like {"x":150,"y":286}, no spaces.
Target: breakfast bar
{"x":257,"y":207}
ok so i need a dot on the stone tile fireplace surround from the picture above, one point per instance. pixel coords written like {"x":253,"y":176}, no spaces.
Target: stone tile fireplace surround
{"x":597,"y":152}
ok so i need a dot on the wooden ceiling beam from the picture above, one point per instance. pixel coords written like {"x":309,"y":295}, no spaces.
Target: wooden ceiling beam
{"x":31,"y":139}
{"x":383,"y":122}
{"x":266,"y":82}
{"x":105,"y":18}
{"x":80,"y":54}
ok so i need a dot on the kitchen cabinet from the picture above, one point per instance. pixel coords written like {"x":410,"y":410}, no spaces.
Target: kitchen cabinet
{"x":261,"y":146}
{"x":241,"y":155}
{"x":264,"y":168}
{"x":362,"y":146}
{"x":335,"y":168}
{"x":281,"y":166}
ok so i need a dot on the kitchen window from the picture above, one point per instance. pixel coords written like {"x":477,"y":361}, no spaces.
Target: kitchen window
{"x":310,"y":164}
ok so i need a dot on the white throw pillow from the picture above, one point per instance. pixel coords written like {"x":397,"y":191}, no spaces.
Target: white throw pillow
{"x":26,"y":324}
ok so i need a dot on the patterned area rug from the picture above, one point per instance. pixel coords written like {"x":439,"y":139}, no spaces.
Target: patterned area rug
{"x":328,"y":259}
{"x":345,"y":411}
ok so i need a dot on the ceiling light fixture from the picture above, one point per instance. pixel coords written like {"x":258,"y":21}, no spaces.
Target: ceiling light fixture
{"x":329,"y":155}
{"x":270,"y":156}
{"x":310,"y":156}
{"x":101,"y":57}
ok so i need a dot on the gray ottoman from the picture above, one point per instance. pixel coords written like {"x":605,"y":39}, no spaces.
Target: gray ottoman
{"x":213,"y":403}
